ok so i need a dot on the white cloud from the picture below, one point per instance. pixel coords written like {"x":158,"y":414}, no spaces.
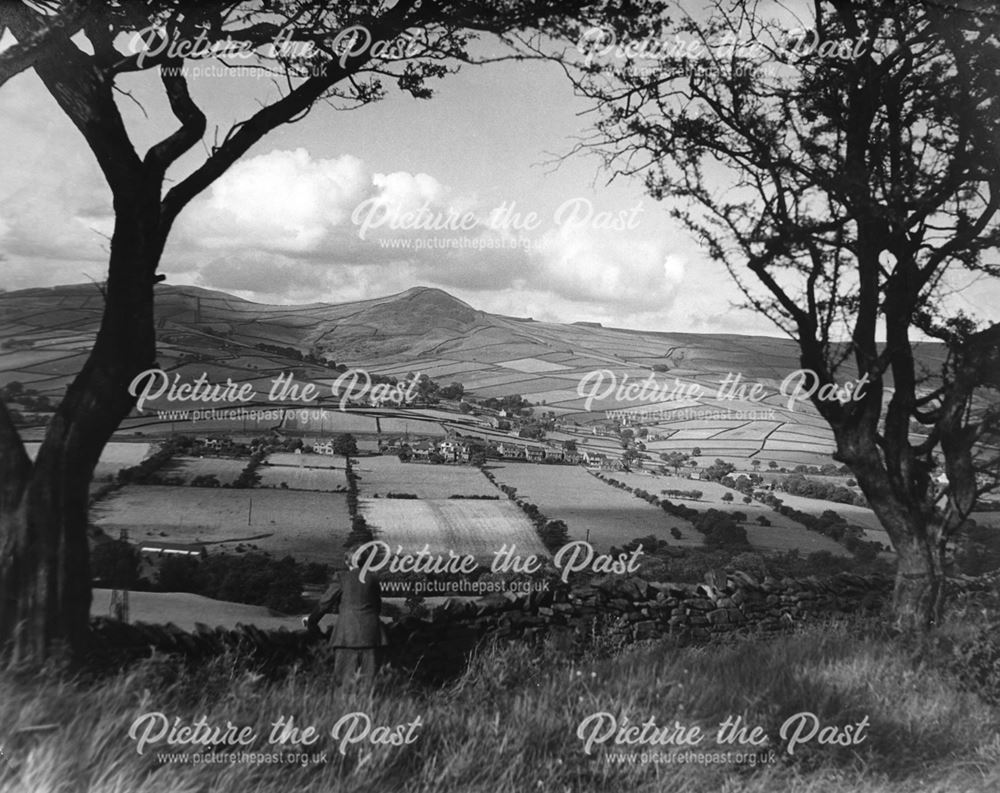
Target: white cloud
{"x":281,"y":201}
{"x":278,"y":227}
{"x":317,"y":229}
{"x":607,"y":266}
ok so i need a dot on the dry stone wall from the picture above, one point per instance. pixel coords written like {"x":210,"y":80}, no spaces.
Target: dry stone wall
{"x":623,"y":609}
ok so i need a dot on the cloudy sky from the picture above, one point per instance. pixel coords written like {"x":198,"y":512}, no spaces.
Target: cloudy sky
{"x":323,"y":210}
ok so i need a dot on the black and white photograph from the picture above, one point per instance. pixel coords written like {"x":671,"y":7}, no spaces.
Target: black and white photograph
{"x":485,"y":397}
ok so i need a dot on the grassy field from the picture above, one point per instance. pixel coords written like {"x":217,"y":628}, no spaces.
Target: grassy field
{"x":187,"y":468}
{"x":386,"y":474}
{"x":860,"y":516}
{"x":466,"y":526}
{"x":305,"y":460}
{"x":606,"y":515}
{"x":115,"y":456}
{"x":782,"y":535}
{"x":184,"y":610}
{"x":510,"y":723}
{"x":323,"y":479}
{"x":309,"y":526}
{"x":328,"y":421}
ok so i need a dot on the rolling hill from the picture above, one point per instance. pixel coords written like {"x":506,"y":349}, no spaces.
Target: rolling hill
{"x":45,"y":334}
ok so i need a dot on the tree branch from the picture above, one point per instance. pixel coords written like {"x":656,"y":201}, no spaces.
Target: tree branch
{"x":161,"y":156}
{"x":32,"y":43}
{"x":86,"y":95}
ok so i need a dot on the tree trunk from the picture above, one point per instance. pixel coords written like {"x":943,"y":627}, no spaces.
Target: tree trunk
{"x":918,"y":597}
{"x":44,"y":569}
{"x":917,"y":536}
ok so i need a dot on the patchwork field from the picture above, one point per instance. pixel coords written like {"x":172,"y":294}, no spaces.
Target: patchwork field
{"x":48,"y":332}
{"x":533,"y":365}
{"x":305,"y":460}
{"x":474,"y":527}
{"x":115,"y":456}
{"x":427,"y":330}
{"x":783,"y":538}
{"x":308,"y":526}
{"x":417,"y":426}
{"x":591,"y":509}
{"x":187,"y":468}
{"x":330,"y":480}
{"x":386,"y":474}
{"x":782,"y":535}
{"x":326,"y":421}
{"x":860,"y":516}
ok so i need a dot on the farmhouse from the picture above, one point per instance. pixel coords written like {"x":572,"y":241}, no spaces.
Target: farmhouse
{"x":449,"y":449}
{"x":422,"y":450}
{"x":535,"y":454}
{"x":510,"y":450}
{"x":601,"y":460}
{"x":594,"y":458}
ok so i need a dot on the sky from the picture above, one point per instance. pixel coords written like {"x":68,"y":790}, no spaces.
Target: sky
{"x":336,"y":207}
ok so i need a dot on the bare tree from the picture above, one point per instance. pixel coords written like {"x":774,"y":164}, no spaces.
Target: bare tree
{"x":355,"y":50}
{"x":845,"y":170}
{"x":61,"y":20}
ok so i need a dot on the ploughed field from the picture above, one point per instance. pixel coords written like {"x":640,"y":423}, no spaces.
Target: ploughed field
{"x":470,"y":527}
{"x":479,"y":524}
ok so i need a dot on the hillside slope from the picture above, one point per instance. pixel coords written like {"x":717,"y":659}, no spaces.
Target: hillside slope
{"x":46,"y":333}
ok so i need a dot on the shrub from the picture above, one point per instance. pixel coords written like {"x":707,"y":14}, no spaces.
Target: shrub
{"x":253,"y":578}
{"x":554,"y":534}
{"x":721,"y":530}
{"x":976,"y":663}
{"x":748,"y":562}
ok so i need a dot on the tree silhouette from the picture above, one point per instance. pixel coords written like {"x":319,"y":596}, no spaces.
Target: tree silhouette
{"x":44,"y":575}
{"x":844,"y":185}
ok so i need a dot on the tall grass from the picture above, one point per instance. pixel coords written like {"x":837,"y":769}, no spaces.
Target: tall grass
{"x":509,"y":723}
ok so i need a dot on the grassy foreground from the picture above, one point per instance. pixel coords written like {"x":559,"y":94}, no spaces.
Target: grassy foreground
{"x":510,"y":723}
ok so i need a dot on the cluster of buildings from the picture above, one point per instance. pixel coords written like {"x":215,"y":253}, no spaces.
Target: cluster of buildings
{"x":465,"y":450}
